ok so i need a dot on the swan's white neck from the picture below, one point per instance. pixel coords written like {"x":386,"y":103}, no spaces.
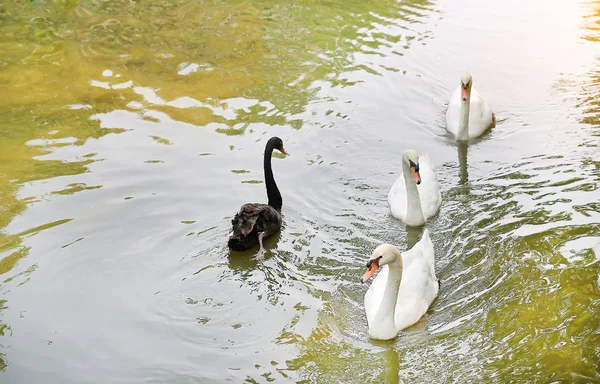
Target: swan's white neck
{"x":463,"y":122}
{"x":414,"y":213}
{"x":384,"y":326}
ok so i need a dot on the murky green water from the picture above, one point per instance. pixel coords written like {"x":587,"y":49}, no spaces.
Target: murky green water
{"x":131,"y":132}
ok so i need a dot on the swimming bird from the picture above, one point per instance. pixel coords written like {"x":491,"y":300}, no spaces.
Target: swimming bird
{"x":255,"y":221}
{"x":415,"y":196}
{"x":403,"y":290}
{"x":468,"y":116}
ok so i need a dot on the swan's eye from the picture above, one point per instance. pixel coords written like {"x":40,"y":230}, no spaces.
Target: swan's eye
{"x":374,"y":261}
{"x":413,"y":165}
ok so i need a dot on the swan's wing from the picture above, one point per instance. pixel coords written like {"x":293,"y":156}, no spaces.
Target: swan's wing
{"x":419,"y":285}
{"x":422,"y":252}
{"x":243,"y":221}
{"x":374,"y":295}
{"x":429,"y":189}
{"x":488,"y":115}
{"x":397,"y":198}
{"x":453,"y":112}
{"x":428,"y":257}
{"x":480,"y":115}
{"x":255,"y":217}
{"x":414,"y":294}
{"x":428,"y":252}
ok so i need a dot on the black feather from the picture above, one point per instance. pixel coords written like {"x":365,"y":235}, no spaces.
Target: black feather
{"x":254,"y":218}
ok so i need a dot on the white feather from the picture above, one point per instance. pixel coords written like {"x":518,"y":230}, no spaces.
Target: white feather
{"x":418,"y":288}
{"x":430,"y":197}
{"x":480,"y":114}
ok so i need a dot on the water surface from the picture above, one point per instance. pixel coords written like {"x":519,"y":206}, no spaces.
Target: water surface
{"x":131,"y":133}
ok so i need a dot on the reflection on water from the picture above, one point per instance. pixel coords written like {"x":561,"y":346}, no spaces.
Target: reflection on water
{"x":245,"y":260}
{"x":131,"y":134}
{"x":392,"y":362}
{"x":413,"y":235}
{"x":463,"y":164}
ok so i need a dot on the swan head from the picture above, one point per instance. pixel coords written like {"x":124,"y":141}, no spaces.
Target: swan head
{"x":382,"y":255}
{"x":277,"y":143}
{"x":412,"y":159}
{"x":466,"y":81}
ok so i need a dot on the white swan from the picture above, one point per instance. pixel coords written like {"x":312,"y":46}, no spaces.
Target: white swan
{"x":403,"y":290}
{"x":411,"y":203}
{"x":468,"y":116}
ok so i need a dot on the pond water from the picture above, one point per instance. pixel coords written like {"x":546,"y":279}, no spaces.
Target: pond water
{"x":131,"y":132}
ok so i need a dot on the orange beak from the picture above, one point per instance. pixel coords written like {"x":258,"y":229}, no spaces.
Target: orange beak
{"x":282,"y":150}
{"x":465,"y":92}
{"x":370,"y":271}
{"x":416,"y":176}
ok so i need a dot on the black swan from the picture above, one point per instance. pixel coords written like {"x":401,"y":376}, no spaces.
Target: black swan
{"x":255,"y":221}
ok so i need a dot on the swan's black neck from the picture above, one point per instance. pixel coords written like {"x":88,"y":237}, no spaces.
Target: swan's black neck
{"x":273,"y":194}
